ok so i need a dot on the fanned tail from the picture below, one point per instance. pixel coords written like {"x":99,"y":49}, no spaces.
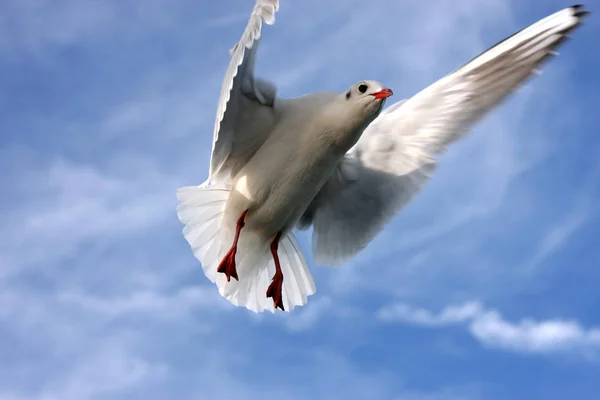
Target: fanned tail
{"x":201,"y":210}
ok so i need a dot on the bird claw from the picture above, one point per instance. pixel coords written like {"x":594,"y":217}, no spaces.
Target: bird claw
{"x":275,"y":291}
{"x":227,"y":265}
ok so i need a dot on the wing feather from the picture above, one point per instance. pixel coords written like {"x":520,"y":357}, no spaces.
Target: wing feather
{"x":239,"y":79}
{"x":396,"y":154}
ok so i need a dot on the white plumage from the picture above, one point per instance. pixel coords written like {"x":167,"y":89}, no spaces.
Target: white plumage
{"x":333,"y":161}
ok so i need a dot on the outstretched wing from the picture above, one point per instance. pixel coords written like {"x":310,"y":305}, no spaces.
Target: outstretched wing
{"x":240,"y":81}
{"x":395,"y":155}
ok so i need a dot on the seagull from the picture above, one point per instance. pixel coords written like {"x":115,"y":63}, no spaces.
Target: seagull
{"x":337,"y":162}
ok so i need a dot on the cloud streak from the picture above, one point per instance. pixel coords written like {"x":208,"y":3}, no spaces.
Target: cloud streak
{"x":492,"y":330}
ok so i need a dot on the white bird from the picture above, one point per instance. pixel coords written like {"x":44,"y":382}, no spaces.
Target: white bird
{"x":333,"y":161}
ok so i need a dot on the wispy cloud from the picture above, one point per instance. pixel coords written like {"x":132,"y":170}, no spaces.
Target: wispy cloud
{"x":110,"y":108}
{"x":418,"y":316}
{"x":150,"y":303}
{"x":492,"y":330}
{"x":535,"y":336}
{"x":108,"y":370}
{"x":69,"y":205}
{"x":580,"y":212}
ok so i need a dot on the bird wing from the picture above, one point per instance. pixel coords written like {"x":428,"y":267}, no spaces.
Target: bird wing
{"x":395,"y":155}
{"x":240,"y":81}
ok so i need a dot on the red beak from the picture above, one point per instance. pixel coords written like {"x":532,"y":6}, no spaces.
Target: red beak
{"x":383,"y":94}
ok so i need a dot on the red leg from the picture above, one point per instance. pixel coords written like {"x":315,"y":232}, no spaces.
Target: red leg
{"x":275,"y":290}
{"x":227,"y":265}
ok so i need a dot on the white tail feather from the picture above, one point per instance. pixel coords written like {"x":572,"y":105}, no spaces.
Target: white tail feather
{"x":201,"y":209}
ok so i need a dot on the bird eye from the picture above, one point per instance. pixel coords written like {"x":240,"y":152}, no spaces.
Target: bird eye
{"x":362,"y":88}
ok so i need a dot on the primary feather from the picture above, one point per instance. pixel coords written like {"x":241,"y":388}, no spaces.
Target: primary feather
{"x":240,"y":81}
{"x":396,"y":154}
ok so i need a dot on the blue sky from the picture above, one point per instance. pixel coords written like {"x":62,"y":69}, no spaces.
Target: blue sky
{"x":484,"y":287}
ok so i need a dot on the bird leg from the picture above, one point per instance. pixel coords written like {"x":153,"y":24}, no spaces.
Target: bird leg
{"x":275,"y":290}
{"x":227,"y":265}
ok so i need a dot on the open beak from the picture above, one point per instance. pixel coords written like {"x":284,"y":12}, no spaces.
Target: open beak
{"x":383,"y":94}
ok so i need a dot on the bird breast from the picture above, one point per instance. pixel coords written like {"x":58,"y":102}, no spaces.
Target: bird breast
{"x":284,"y":176}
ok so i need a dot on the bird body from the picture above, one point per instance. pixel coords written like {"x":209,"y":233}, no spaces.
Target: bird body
{"x":336,"y":162}
{"x":307,"y":142}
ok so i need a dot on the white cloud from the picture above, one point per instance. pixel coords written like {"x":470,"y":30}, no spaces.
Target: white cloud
{"x":534,"y":336}
{"x":449,"y":315}
{"x":492,"y":330}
